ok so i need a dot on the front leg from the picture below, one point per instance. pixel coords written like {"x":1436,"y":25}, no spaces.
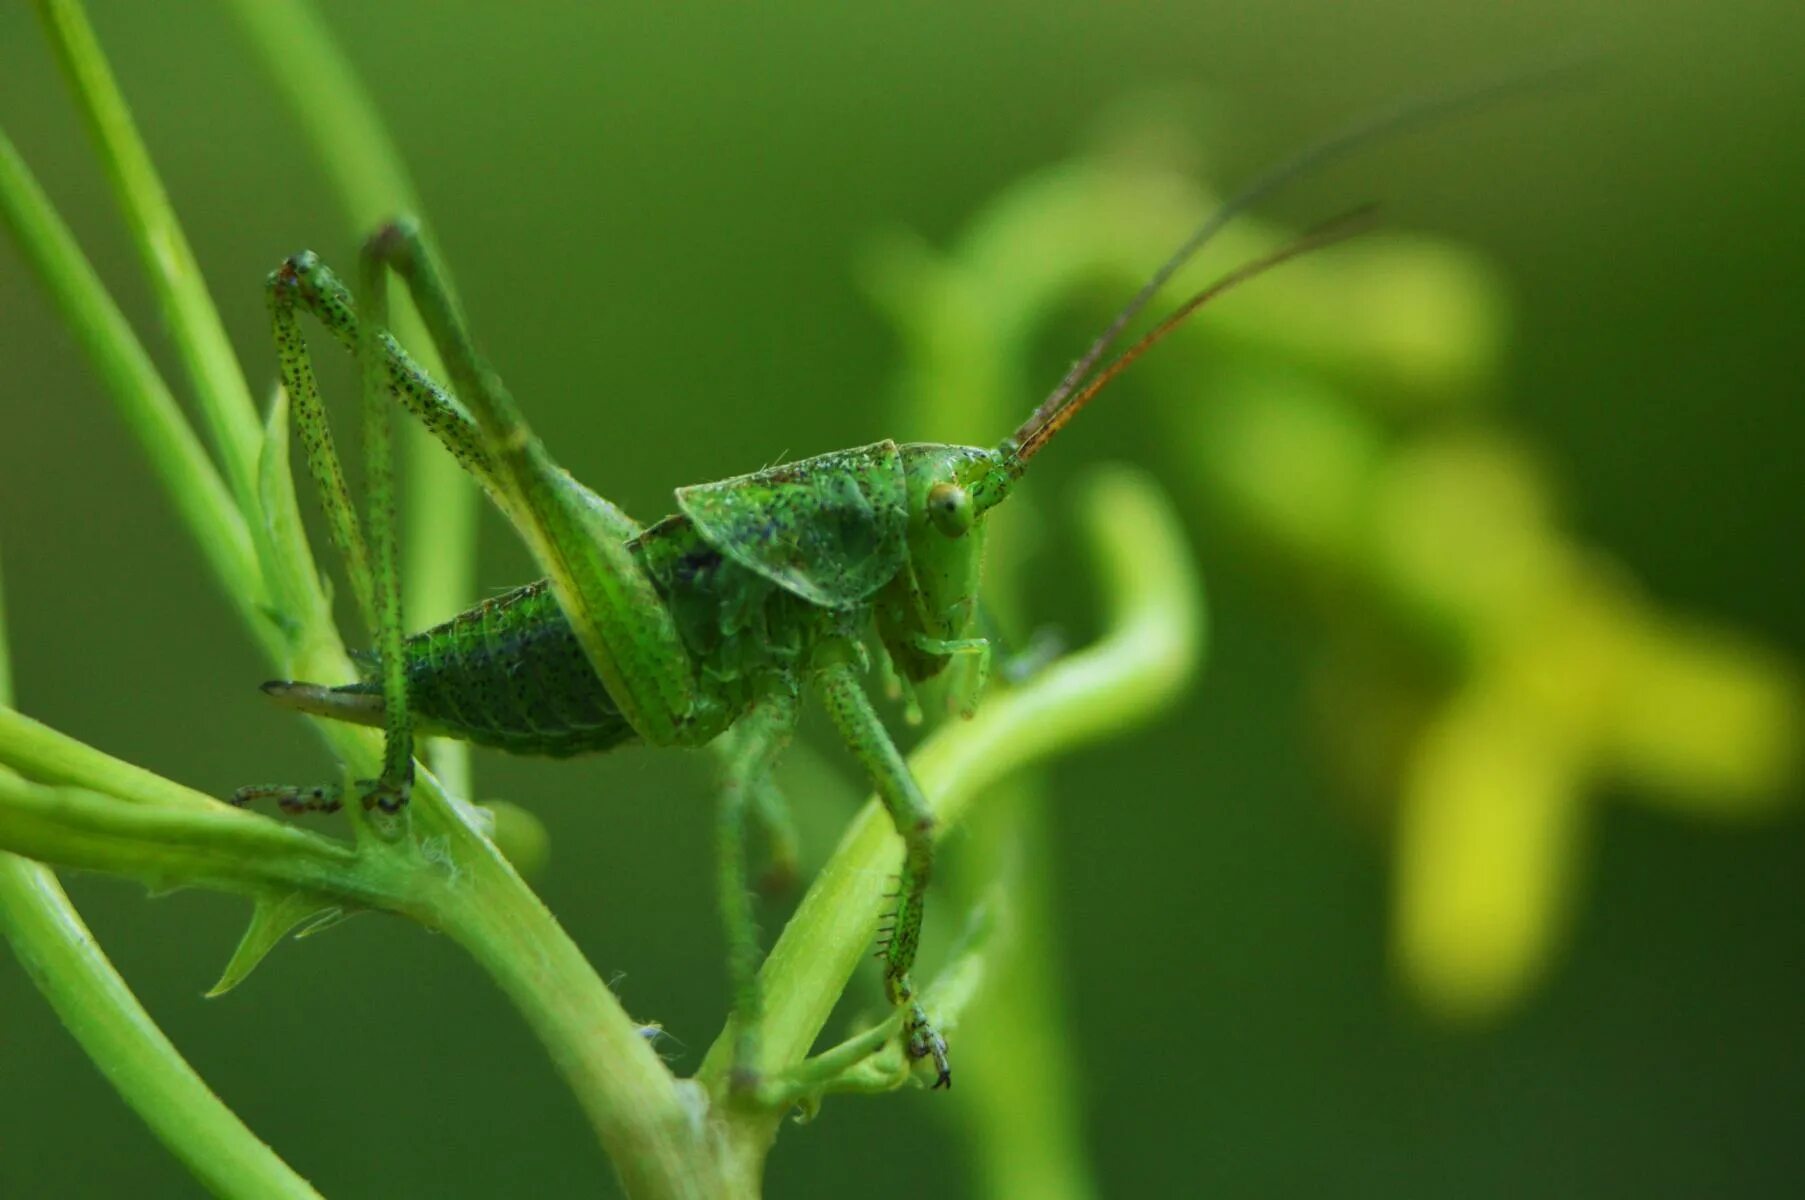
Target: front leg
{"x":865,"y":735}
{"x":965,"y":690}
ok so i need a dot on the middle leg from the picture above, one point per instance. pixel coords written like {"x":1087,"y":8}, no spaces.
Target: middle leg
{"x":751,"y":748}
{"x":865,"y":735}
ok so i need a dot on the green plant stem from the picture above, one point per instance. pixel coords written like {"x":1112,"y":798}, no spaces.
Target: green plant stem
{"x":1021,"y":1115}
{"x":1153,"y":639}
{"x":91,"y":812}
{"x":165,"y":838}
{"x":968,"y":324}
{"x":95,"y":1005}
{"x":163,"y":845}
{"x":652,"y":1125}
{"x":200,"y":496}
{"x":61,"y":957}
{"x":449,"y":878}
{"x":225,"y":849}
{"x":43,"y":754}
{"x":175,"y":277}
{"x":332,"y":105}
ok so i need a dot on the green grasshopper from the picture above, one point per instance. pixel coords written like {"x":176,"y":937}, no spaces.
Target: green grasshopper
{"x":705,"y":626}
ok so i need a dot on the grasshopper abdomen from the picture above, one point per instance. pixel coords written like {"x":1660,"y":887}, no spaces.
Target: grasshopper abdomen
{"x":507,"y":673}
{"x":510,"y":673}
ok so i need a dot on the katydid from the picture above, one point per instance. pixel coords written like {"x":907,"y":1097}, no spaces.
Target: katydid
{"x":705,"y":626}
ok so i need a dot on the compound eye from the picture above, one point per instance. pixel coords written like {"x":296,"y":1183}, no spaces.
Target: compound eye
{"x":949,"y":508}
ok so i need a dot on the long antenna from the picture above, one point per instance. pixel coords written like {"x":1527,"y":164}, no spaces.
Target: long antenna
{"x":1336,"y":229}
{"x":1393,"y":119}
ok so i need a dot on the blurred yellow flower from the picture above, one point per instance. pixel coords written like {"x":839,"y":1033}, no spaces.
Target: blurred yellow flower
{"x":1336,"y":420}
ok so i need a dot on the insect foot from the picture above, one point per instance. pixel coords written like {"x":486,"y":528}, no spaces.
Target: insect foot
{"x":744,"y":1082}
{"x":321,"y":798}
{"x":923,"y":1041}
{"x":298,"y":272}
{"x":389,"y":797}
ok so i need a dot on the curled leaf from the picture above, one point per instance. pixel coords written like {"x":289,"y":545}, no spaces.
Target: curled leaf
{"x":271,"y":920}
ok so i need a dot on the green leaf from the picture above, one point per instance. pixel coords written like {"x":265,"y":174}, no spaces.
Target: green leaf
{"x":273,"y":919}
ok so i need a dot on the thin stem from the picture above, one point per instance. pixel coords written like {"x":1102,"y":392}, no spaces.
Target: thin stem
{"x":62,"y":958}
{"x":43,"y":754}
{"x":653,"y":1126}
{"x":333,"y":107}
{"x":195,"y":328}
{"x":1022,"y":1115}
{"x":447,"y":877}
{"x":64,"y":961}
{"x":143,"y":399}
{"x":648,"y":1122}
{"x":1018,"y":1107}
{"x":227,"y":850}
{"x":240,"y":852}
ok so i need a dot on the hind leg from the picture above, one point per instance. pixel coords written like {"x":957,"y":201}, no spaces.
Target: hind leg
{"x":369,"y":550}
{"x":578,"y":538}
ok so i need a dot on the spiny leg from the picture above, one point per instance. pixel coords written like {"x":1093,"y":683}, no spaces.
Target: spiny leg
{"x":304,"y":283}
{"x":865,"y":735}
{"x":577,"y":537}
{"x":387,"y":375}
{"x":296,"y":368}
{"x":750,"y":748}
{"x":323,"y":798}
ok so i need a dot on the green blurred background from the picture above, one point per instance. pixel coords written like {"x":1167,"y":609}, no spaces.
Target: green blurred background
{"x":655,"y":214}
